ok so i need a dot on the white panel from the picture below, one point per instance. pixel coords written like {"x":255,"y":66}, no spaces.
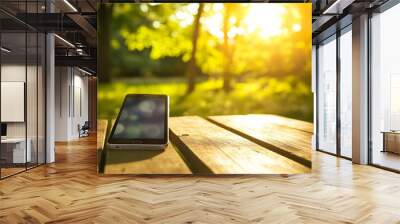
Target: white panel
{"x":12,"y":101}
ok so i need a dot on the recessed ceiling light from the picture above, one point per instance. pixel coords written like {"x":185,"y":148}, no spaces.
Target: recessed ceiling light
{"x":65,"y":41}
{"x":337,"y":7}
{"x":5,"y":50}
{"x":70,"y":6}
{"x":84,"y":71}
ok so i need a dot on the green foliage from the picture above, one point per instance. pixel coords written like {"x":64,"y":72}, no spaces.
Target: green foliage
{"x":266,"y":53}
{"x":264,"y":95}
{"x":144,"y":34}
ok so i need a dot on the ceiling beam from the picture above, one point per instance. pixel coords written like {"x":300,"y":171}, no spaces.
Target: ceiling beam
{"x":86,"y":27}
{"x":82,"y":61}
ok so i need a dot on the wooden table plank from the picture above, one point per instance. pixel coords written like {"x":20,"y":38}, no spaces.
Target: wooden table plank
{"x":145,"y":162}
{"x":273,"y":132}
{"x":101,"y":138}
{"x":101,"y":133}
{"x":209,"y":148}
{"x":283,"y":121}
{"x":141,"y":161}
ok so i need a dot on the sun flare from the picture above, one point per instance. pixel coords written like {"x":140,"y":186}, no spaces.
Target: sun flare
{"x":265,"y":19}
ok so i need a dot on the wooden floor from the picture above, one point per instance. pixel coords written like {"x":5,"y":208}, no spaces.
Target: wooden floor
{"x":10,"y":171}
{"x":386,"y":159}
{"x":70,"y":191}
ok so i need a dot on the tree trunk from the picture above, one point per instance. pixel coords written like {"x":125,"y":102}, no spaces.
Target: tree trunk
{"x":191,"y":69}
{"x":226,"y":50}
{"x":103,"y":65}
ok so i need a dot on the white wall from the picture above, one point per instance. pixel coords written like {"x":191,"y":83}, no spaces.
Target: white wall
{"x":12,"y":73}
{"x":61,"y":115}
{"x":71,"y":93}
{"x":33,"y":126}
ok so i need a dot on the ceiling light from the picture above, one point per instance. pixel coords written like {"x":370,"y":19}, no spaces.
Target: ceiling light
{"x":65,"y":41}
{"x":5,"y":50}
{"x":337,"y":7}
{"x":70,"y":5}
{"x":84,"y":71}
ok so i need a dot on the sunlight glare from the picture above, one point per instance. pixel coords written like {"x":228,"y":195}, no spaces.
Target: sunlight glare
{"x":214,"y":25}
{"x":184,"y":17}
{"x":144,"y":8}
{"x":265,"y":19}
{"x":156,"y":24}
{"x":296,"y":27}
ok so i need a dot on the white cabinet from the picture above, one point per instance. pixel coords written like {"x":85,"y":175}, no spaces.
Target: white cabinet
{"x":19,"y":155}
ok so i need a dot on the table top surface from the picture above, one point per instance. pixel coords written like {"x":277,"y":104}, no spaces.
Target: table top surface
{"x":230,"y":144}
{"x":390,"y":132}
{"x":13,"y":140}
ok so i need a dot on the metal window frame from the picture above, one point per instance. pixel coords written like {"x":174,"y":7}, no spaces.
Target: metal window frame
{"x":386,"y":6}
{"x":339,"y":32}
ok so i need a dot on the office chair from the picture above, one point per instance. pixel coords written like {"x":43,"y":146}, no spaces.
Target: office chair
{"x":84,"y":130}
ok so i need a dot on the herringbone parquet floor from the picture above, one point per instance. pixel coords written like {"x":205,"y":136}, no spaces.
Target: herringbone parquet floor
{"x":70,"y":191}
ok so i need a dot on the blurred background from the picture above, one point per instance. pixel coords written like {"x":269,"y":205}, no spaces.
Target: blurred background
{"x":210,"y":58}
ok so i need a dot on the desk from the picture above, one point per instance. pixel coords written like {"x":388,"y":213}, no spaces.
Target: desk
{"x":391,"y":141}
{"x":15,"y":148}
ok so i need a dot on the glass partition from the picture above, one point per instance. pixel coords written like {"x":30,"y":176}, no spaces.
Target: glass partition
{"x":41,"y":96}
{"x":346,"y":93}
{"x":385,"y":89}
{"x":13,"y":94}
{"x":31,"y":97}
{"x":22,"y":88}
{"x":327,"y":95}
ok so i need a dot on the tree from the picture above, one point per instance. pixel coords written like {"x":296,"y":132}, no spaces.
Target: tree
{"x":104,"y":38}
{"x":226,"y":48}
{"x":191,"y":70}
{"x":233,"y":15}
{"x":225,"y":41}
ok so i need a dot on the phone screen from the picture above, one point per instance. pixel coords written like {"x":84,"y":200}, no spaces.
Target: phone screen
{"x":142,"y":117}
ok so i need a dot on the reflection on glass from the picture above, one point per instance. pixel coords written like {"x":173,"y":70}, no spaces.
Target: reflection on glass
{"x":141,"y":119}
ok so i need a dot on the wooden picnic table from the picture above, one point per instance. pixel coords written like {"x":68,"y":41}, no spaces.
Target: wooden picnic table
{"x":285,"y":136}
{"x":231,"y":144}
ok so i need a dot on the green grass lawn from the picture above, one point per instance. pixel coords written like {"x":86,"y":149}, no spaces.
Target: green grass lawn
{"x":288,"y":97}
